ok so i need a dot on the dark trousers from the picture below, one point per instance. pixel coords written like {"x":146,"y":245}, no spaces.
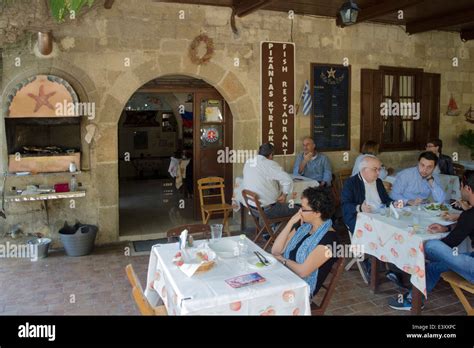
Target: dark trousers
{"x":280,"y":210}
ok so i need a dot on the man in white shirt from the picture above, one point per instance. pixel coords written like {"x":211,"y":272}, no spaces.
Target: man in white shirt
{"x":267,"y":178}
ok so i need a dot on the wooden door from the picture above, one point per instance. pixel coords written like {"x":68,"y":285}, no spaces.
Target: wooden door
{"x":212,"y":134}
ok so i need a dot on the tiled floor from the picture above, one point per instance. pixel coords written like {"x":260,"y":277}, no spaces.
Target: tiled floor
{"x":146,"y":208}
{"x":97,"y":285}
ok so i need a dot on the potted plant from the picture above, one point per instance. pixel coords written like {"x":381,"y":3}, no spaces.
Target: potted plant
{"x":467,"y":139}
{"x":60,"y":8}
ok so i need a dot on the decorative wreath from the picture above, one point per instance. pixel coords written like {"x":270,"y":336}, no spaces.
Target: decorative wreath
{"x":193,"y":54}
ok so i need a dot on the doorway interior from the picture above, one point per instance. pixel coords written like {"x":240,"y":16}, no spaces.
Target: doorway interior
{"x":169,"y":123}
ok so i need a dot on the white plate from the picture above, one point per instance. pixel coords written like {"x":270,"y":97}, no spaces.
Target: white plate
{"x":255,"y":263}
{"x":225,"y":248}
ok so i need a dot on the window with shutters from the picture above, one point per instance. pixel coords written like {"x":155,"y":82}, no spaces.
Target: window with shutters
{"x":399,"y":107}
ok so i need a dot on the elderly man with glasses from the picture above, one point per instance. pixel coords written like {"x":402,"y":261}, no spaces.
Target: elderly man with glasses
{"x":364,"y":192}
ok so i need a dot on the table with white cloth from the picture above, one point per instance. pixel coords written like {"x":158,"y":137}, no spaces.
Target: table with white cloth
{"x":450,"y":184}
{"x":300,"y":184}
{"x":398,"y":241}
{"x":468,"y":165}
{"x":207,"y":293}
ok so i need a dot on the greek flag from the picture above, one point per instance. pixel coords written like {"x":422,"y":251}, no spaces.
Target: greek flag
{"x":307,"y":102}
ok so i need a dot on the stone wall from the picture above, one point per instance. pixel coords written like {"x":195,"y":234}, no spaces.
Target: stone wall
{"x":92,"y":49}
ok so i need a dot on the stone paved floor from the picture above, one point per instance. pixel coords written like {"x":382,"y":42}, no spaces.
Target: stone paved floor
{"x":100,"y":287}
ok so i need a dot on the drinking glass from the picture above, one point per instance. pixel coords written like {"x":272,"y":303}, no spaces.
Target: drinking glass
{"x":242,"y":253}
{"x":216,"y":231}
{"x":416,"y":221}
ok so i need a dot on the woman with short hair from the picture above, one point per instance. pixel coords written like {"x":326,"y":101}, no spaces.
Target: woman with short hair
{"x":369,"y":148}
{"x":307,"y":245}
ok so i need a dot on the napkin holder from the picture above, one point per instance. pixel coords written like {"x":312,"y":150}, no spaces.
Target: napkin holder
{"x":183,"y":238}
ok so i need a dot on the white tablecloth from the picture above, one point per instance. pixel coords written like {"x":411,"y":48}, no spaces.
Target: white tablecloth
{"x":299,"y":185}
{"x":468,"y":165}
{"x":283,"y":292}
{"x":396,"y":241}
{"x":449,"y":183}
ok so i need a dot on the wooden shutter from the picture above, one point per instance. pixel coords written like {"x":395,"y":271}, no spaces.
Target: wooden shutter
{"x":371,"y":97}
{"x":430,"y":108}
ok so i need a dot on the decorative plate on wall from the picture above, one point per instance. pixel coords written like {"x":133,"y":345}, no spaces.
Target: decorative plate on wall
{"x":42,"y":96}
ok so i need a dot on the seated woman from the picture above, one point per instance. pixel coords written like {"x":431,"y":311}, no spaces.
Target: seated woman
{"x":370,"y":148}
{"x":307,"y":248}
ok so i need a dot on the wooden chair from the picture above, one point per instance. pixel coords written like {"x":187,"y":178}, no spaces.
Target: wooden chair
{"x":201,"y":231}
{"x":459,"y":170}
{"x":141,"y":301}
{"x":338,"y":183}
{"x":336,"y":192}
{"x":458,"y":284}
{"x":209,"y":209}
{"x":262,"y":222}
{"x":341,"y":176}
{"x":332,"y":280}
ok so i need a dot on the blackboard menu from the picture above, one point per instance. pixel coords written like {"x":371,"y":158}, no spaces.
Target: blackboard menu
{"x":330,"y":120}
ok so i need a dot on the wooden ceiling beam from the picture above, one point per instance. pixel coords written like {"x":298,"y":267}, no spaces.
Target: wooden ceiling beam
{"x":380,"y":9}
{"x":467,"y":34}
{"x":245,"y":7}
{"x":441,"y":21}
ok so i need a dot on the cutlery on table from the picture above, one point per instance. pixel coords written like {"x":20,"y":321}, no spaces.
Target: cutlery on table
{"x":260,"y":258}
{"x":265,"y":261}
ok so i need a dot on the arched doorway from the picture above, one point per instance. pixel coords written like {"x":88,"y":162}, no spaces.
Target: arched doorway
{"x":169,"y":122}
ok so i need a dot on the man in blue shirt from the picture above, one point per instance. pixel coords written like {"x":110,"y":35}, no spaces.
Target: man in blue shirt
{"x":313,"y":164}
{"x":415,"y":185}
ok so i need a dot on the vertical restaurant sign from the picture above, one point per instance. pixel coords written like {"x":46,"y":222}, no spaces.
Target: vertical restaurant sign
{"x":278,"y":96}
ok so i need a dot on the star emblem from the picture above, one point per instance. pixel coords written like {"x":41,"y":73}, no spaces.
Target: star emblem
{"x":42,"y":99}
{"x":331,"y":73}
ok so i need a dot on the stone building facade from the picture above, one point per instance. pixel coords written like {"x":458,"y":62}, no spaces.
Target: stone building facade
{"x":91,"y":54}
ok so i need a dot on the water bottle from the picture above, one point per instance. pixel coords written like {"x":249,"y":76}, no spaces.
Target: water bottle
{"x":73,"y":184}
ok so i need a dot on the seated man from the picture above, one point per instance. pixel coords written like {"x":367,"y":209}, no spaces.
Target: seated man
{"x":445,"y":163}
{"x":440,"y":253}
{"x":414,"y":185}
{"x":264,"y":176}
{"x":312,"y":164}
{"x":363,"y":192}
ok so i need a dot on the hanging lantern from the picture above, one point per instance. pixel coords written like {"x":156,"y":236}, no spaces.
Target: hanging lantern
{"x":349,"y":12}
